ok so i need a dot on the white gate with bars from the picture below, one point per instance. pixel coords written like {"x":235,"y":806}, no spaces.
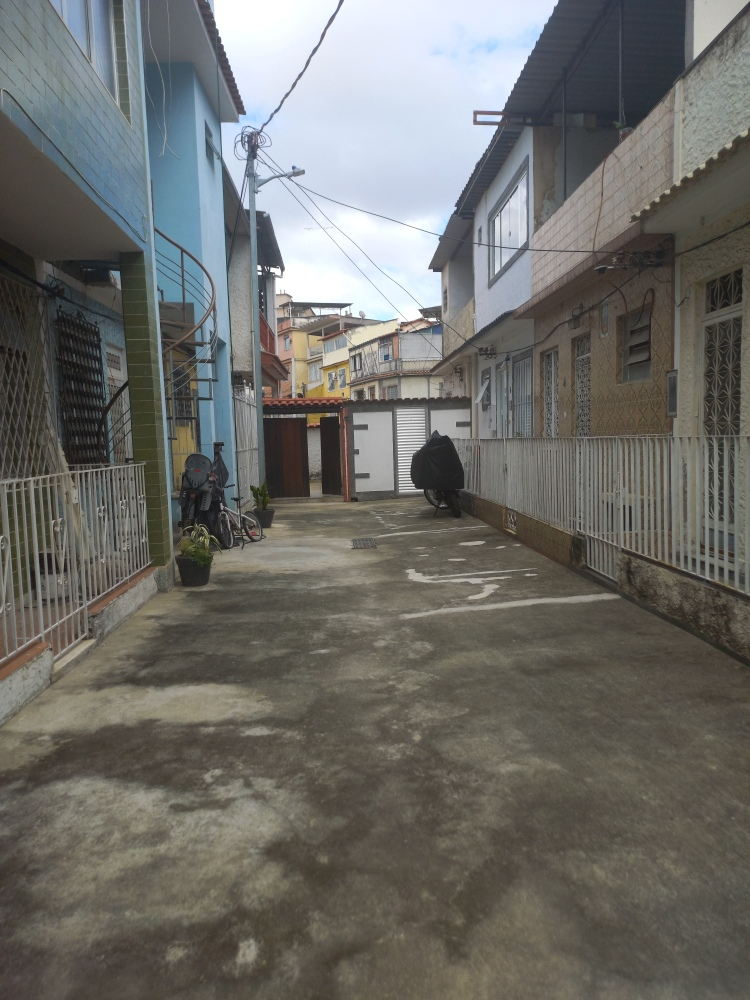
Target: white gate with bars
{"x":682,"y":501}
{"x":246,"y":442}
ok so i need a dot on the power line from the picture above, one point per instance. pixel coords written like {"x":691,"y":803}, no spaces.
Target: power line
{"x":304,"y":68}
{"x":444,"y":323}
{"x":442,"y":236}
{"x":363,"y":273}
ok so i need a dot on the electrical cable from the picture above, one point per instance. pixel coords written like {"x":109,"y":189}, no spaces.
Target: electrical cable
{"x":351,"y":240}
{"x":430,"y":232}
{"x":301,"y":73}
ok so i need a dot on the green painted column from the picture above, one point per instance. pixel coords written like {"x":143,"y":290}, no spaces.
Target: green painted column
{"x":145,"y":387}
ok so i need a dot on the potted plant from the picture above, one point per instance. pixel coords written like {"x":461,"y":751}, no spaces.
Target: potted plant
{"x":262,"y":499}
{"x":195,"y":558}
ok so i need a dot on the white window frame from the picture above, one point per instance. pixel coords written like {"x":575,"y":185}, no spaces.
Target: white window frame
{"x":89,"y":49}
{"x":342,"y":378}
{"x":356,"y":363}
{"x":331,"y":381}
{"x":500,"y":224}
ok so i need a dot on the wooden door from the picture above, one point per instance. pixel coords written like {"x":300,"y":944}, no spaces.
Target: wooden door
{"x":330,"y":455}
{"x":287,"y":469}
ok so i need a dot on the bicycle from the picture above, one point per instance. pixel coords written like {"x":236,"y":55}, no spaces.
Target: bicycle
{"x":231,"y":525}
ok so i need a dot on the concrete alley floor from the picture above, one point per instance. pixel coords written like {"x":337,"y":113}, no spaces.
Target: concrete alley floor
{"x":441,"y":769}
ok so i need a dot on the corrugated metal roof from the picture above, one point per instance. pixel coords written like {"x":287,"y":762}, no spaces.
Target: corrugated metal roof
{"x":269,"y":254}
{"x":582,"y":37}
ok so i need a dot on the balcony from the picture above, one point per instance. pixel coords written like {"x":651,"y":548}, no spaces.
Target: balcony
{"x":404,"y":366}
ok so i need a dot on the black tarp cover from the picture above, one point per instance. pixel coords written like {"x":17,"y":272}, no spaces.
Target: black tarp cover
{"x":436,"y":466}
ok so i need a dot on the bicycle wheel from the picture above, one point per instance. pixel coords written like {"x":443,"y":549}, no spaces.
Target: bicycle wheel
{"x":251,"y":527}
{"x":224,"y":530}
{"x":435,"y":497}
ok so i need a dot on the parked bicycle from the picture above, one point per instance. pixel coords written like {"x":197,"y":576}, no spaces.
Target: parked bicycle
{"x":202,"y":501}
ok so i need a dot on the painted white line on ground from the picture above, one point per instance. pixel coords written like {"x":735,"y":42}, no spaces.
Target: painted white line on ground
{"x":431,"y":531}
{"x":578,"y":599}
{"x":473,"y":577}
{"x":471,"y":543}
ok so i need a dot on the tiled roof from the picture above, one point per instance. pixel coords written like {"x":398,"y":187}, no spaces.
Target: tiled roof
{"x":311,"y":403}
{"x":226,"y":70}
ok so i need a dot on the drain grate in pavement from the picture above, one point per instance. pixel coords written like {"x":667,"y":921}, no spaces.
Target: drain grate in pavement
{"x":364,"y":543}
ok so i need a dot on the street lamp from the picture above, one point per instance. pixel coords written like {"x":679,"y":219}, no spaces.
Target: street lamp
{"x":254,"y":185}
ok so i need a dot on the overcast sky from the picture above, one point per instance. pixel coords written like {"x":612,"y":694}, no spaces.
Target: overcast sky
{"x":382,"y":119}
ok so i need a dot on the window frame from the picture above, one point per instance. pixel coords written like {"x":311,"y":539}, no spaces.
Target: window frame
{"x":59,"y":6}
{"x":631,"y":326}
{"x":495,"y":212}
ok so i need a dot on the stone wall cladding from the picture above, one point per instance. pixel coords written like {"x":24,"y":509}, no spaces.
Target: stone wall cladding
{"x":617,"y":407}
{"x":714,"y":97}
{"x":600,"y":210}
{"x":710,"y":610}
{"x":460,"y":330}
{"x":554,"y":543}
{"x":44,"y":70}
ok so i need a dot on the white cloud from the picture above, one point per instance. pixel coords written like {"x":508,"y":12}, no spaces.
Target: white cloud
{"x":382,"y":119}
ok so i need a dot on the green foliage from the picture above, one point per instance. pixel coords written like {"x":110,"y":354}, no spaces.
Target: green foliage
{"x":261,"y":496}
{"x":196,"y":545}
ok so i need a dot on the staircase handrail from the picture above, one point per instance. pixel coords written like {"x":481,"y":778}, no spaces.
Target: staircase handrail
{"x":212,"y":304}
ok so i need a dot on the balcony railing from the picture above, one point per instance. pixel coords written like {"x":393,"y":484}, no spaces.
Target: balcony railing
{"x":66,"y":540}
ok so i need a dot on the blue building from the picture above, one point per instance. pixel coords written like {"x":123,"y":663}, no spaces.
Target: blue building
{"x":191,"y":91}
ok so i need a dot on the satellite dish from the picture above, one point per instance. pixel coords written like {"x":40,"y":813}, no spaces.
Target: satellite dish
{"x":361,"y":314}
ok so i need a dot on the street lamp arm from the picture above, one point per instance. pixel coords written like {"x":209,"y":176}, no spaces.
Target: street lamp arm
{"x":294,"y":172}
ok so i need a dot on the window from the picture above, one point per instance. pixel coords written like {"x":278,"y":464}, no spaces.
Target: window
{"x":313,"y":372}
{"x":582,"y":385}
{"x":356,"y":364}
{"x":335,"y":345}
{"x":342,"y":378}
{"x":484,"y":395}
{"x":287,"y":342}
{"x":210,"y":148}
{"x":509,"y":226}
{"x":371,"y":392}
{"x":91,"y":23}
{"x":385,"y":350}
{"x":391,"y":392}
{"x":331,"y":381}
{"x":635,"y":340}
{"x":521,"y":389}
{"x":359,"y":394}
{"x":445,"y":300}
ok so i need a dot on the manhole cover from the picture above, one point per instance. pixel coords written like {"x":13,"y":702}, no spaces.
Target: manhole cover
{"x":364,"y":543}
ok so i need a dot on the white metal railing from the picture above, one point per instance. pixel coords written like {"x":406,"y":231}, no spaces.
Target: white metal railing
{"x":65,"y":541}
{"x":682,"y":501}
{"x":246,"y":435}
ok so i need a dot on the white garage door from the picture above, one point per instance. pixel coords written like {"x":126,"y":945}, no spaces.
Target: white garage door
{"x":411,"y":434}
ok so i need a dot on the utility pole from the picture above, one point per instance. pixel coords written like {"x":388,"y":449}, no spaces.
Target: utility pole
{"x":251,"y":140}
{"x":252,"y":154}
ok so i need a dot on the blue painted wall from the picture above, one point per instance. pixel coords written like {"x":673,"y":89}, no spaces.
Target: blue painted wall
{"x":189,"y":207}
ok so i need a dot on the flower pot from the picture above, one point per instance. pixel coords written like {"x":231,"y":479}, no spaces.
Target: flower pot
{"x":265,"y":516}
{"x":192,"y":574}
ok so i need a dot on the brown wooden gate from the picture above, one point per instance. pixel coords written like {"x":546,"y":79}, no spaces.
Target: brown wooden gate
{"x":330,"y":455}
{"x":287,"y":468}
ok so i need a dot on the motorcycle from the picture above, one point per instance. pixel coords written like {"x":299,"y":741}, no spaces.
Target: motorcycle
{"x":202,"y":492}
{"x":436,"y":469}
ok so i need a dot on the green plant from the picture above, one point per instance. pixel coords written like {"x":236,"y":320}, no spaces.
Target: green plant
{"x":196,"y":545}
{"x":261,"y":496}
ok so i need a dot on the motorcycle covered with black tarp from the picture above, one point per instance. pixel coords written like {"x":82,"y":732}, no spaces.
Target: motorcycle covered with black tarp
{"x":437,"y":470}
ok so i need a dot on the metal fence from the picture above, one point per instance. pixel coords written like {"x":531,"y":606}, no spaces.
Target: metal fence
{"x":246,"y":434}
{"x":682,"y":501}
{"x":65,"y":541}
